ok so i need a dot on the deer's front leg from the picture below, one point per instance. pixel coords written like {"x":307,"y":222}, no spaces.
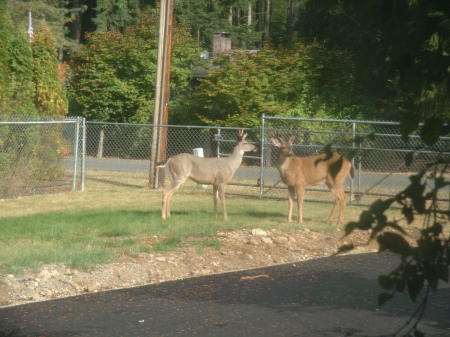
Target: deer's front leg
{"x":215,"y":197}
{"x":224,"y":203}
{"x":291,"y":197}
{"x":300,"y":197}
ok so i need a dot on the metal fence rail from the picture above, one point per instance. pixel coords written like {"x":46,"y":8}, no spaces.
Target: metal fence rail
{"x":39,"y":156}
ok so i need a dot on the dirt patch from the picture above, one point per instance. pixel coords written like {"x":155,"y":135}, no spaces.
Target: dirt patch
{"x":243,"y":249}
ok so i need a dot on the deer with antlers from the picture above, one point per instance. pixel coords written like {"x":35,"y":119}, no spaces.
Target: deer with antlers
{"x":299,"y":172}
{"x":214,"y":171}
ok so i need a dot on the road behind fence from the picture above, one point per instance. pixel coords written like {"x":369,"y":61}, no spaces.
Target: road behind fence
{"x":73,"y":149}
{"x":380,"y":169}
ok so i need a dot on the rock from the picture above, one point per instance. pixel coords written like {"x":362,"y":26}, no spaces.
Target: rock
{"x":267,"y":241}
{"x":281,"y":240}
{"x":258,"y":232}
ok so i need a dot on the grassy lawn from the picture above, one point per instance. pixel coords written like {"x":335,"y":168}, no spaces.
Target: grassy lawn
{"x":116,"y":216}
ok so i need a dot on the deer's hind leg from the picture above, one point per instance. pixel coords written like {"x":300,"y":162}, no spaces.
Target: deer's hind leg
{"x":221,"y":189}
{"x":342,"y":197}
{"x":167,"y":196}
{"x":300,"y":196}
{"x":340,"y":200}
{"x":215,"y":198}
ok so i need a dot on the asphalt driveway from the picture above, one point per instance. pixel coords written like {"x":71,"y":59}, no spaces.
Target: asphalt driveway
{"x":324,"y":297}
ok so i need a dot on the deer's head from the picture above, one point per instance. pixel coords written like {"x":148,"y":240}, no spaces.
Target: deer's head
{"x":242,"y":144}
{"x":285,"y":146}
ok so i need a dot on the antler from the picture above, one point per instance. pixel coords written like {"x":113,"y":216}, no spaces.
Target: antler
{"x":276,"y":134}
{"x":242,"y":135}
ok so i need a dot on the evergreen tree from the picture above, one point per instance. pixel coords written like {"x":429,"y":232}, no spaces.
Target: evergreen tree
{"x":116,"y":15}
{"x":50,"y":96}
{"x":55,"y":13}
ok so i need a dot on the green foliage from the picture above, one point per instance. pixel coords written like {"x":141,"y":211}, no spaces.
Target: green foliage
{"x":115,"y":81}
{"x":208,"y":17}
{"x":56,"y":14}
{"x":50,"y":96}
{"x":116,"y":15}
{"x":401,"y":51}
{"x":426,"y":262}
{"x":16,"y":87}
{"x":305,"y":81}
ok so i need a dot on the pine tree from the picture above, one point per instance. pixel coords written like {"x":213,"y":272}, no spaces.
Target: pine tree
{"x":116,"y":15}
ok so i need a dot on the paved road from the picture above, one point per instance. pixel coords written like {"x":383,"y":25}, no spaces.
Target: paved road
{"x":271,"y":175}
{"x":327,"y":297}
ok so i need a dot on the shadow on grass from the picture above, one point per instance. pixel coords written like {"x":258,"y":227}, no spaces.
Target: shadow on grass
{"x":115,"y":183}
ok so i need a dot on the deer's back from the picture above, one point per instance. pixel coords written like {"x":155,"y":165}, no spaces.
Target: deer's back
{"x":201,"y":170}
{"x":304,"y":171}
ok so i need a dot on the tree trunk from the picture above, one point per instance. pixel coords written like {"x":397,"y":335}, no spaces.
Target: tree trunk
{"x":249,"y":14}
{"x":267,"y":21}
{"x":292,"y":30}
{"x":100,"y":144}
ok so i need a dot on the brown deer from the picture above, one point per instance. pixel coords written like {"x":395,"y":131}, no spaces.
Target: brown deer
{"x":215,"y":171}
{"x":299,"y":172}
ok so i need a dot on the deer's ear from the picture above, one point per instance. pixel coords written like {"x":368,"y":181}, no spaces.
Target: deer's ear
{"x":275,"y":142}
{"x":292,"y":138}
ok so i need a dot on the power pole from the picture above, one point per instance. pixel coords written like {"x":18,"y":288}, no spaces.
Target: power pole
{"x":162,"y":94}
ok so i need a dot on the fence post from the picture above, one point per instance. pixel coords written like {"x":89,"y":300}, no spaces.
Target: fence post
{"x":359,"y":172}
{"x":75,"y":154}
{"x":218,"y":142}
{"x":352,"y":193}
{"x":261,"y":171}
{"x":83,"y":155}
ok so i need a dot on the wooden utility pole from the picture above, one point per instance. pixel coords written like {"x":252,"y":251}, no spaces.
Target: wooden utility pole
{"x":162,"y":94}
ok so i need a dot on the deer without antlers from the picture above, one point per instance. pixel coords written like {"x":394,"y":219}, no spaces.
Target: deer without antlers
{"x":299,"y":172}
{"x":215,"y":171}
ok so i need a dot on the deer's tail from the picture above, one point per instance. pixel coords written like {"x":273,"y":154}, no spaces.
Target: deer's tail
{"x":161,"y":164}
{"x":352,"y":172}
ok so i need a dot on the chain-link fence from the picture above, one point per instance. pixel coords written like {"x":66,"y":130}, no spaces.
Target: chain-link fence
{"x":379,"y":164}
{"x":119,"y":149}
{"x":45,"y":156}
{"x":38,"y":156}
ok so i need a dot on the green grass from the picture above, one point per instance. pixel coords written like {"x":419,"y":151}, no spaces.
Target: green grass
{"x":108,"y":221}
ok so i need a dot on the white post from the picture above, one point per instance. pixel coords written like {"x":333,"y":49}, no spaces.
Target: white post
{"x":83,"y":155}
{"x":75,"y":154}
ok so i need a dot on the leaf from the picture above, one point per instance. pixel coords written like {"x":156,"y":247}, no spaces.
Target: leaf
{"x":350,"y":227}
{"x":409,"y":159}
{"x":394,"y":243}
{"x":383,"y":298}
{"x":386,"y":282}
{"x":345,"y":248}
{"x":379,"y":206}
{"x":431,"y":130}
{"x":419,"y":204}
{"x":418,"y":333}
{"x":408,"y":213}
{"x":400,"y":284}
{"x":415,"y":285}
{"x":366,"y":220}
{"x":442,"y":272}
{"x":408,"y":124}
